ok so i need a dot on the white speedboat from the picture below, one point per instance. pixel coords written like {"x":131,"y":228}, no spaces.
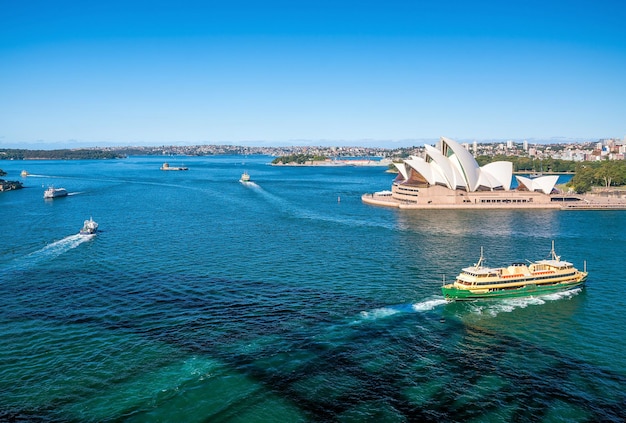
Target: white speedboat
{"x":89,"y":227}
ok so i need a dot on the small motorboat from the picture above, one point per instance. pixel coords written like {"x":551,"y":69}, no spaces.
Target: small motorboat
{"x":90,"y":227}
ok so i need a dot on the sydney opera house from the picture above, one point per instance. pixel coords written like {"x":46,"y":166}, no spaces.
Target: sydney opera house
{"x":449,"y":177}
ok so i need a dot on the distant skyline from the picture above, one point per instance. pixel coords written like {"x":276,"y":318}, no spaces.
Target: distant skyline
{"x":384,"y":74}
{"x":385,"y":144}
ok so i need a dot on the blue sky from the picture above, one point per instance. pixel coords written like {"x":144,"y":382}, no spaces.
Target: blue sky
{"x":383,"y":73}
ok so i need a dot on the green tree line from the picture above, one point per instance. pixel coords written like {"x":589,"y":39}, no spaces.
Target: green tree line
{"x":64,"y":154}
{"x":606,"y":173}
{"x":528,"y":164}
{"x":298,"y":158}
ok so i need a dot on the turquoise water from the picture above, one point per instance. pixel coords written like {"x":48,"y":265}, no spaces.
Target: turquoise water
{"x":287,"y":299}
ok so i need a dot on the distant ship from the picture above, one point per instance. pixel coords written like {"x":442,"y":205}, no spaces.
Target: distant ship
{"x":166,"y":166}
{"x":89,"y":227}
{"x":517,"y":280}
{"x":244,"y":177}
{"x":24,"y":174}
{"x":53,"y":192}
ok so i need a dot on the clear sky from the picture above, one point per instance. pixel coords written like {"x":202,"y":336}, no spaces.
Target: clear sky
{"x":385,"y":73}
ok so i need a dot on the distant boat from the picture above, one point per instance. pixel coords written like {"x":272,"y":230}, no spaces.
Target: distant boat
{"x":166,"y":166}
{"x":53,"y":192}
{"x":89,"y":227}
{"x":24,"y":174}
{"x":517,"y":280}
{"x":244,"y":177}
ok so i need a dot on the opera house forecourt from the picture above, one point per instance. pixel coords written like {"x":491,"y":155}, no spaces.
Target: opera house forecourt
{"x":449,"y":177}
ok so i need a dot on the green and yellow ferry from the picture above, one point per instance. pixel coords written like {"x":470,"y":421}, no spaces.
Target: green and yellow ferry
{"x":517,"y":280}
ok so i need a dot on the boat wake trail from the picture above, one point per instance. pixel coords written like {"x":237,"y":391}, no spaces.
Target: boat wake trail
{"x":250,"y":184}
{"x":48,"y":252}
{"x":420,"y":307}
{"x":381,"y":312}
{"x":278,"y":202}
{"x":508,"y":305}
{"x":429,"y":304}
{"x":302,"y":213}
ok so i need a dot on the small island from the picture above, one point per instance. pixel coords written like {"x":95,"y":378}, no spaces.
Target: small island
{"x":9,"y":185}
{"x":166,"y":166}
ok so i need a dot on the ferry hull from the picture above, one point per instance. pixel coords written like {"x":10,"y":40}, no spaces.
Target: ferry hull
{"x":450,"y":293}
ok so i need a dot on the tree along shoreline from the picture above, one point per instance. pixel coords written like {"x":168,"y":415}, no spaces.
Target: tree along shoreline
{"x":64,"y":154}
{"x":9,"y":185}
{"x":607,"y":174}
{"x":298,"y":159}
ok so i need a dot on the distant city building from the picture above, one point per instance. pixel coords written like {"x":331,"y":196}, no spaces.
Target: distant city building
{"x":525,"y":145}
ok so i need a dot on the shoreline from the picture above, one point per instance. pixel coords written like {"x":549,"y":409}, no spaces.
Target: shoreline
{"x":10,"y":185}
{"x":587,"y":202}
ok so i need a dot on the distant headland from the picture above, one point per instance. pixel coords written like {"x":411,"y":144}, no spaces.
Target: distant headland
{"x":64,"y":154}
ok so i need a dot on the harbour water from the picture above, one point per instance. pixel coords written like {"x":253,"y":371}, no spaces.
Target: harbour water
{"x":288,"y":299}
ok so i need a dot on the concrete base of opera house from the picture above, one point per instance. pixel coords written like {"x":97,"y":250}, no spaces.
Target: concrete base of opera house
{"x":495,"y":200}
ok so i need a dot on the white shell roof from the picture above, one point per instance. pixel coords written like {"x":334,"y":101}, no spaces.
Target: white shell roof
{"x":422,"y":167}
{"x":501,"y":171}
{"x":487,"y":180}
{"x":466,"y":160}
{"x":457,"y":168}
{"x":402,"y":169}
{"x":544,"y":184}
{"x":453,"y":177}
